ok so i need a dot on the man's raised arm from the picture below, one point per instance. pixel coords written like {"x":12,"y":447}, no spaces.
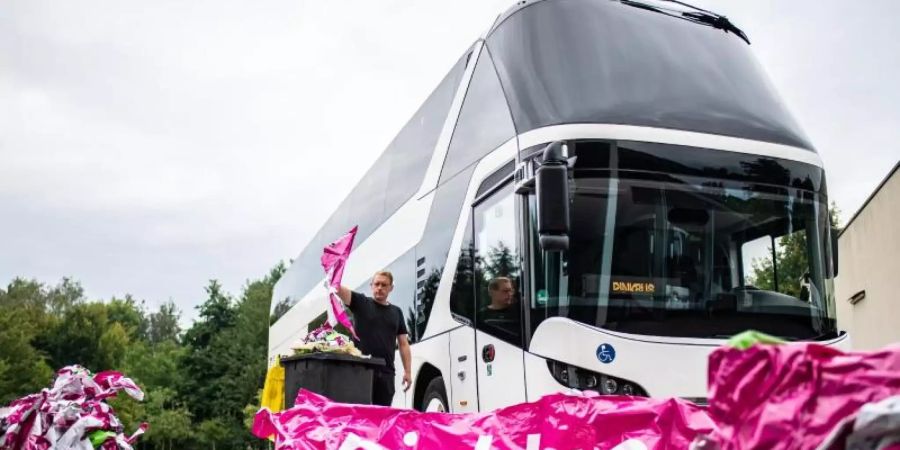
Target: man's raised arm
{"x":345,"y":294}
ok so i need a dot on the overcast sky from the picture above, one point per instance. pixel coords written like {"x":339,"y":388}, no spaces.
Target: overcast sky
{"x":146,"y":147}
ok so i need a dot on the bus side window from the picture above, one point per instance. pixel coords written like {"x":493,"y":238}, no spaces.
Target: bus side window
{"x":498,"y":299}
{"x":462,"y":300}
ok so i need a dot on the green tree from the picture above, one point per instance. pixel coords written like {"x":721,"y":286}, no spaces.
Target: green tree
{"x":156,"y":369}
{"x":23,"y":370}
{"x":164,"y":324}
{"x":111,"y":347}
{"x":130,"y":314}
{"x":155,"y":366}
{"x":244,"y":347}
{"x":63,"y":296}
{"x":75,"y":338}
{"x":201,"y":386}
{"x":131,"y":413}
{"x":790,"y":263}
{"x":30,"y":298}
{"x":251,"y":409}
{"x":500,"y":261}
{"x":212,"y":432}
{"x":170,"y":420}
{"x":227,"y":345}
{"x":95,"y":335}
{"x":203,"y":359}
{"x":216,"y":314}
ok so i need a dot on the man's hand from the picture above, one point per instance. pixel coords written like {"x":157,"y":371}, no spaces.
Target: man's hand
{"x":406,"y":357}
{"x":407,"y":381}
{"x":344,"y":293}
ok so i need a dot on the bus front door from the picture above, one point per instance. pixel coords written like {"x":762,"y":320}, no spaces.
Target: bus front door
{"x":498,"y":339}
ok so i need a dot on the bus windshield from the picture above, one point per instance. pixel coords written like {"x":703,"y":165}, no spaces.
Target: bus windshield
{"x":693,"y":258}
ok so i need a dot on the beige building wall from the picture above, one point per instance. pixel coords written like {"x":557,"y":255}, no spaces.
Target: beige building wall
{"x":869,"y":257}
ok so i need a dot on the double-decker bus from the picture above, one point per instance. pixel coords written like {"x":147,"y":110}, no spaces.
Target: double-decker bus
{"x":595,"y":196}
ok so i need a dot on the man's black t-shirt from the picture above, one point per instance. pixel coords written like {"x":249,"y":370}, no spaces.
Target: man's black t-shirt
{"x":510,"y":313}
{"x":377,"y":326}
{"x":507,"y":321}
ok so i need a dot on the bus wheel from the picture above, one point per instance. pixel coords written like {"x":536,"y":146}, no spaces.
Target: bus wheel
{"x":435,"y":398}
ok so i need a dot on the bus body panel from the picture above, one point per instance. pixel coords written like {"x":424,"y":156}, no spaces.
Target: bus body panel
{"x":463,"y":378}
{"x":432,"y":352}
{"x":679,"y":365}
{"x":501,"y":381}
{"x":678,"y":368}
{"x":538,"y":380}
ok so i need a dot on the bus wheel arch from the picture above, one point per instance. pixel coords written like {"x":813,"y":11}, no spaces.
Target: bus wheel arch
{"x":426,"y":383}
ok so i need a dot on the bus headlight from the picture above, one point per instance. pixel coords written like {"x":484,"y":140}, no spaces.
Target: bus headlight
{"x":583,"y":379}
{"x":610,"y":386}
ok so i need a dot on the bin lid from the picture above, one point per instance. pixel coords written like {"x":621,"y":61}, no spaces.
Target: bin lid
{"x":329,"y":356}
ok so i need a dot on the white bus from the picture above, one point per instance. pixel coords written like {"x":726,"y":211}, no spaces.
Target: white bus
{"x":629,"y":167}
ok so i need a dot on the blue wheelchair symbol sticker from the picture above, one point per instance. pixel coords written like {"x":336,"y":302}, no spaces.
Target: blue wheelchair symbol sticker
{"x":606,"y":353}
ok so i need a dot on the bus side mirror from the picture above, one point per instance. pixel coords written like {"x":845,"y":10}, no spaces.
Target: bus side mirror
{"x":552,"y":182}
{"x":834,"y":251}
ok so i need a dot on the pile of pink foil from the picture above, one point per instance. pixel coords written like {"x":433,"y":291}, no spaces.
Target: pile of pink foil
{"x":72,"y":414}
{"x":795,"y":396}
{"x":558,"y":421}
{"x":801,"y":396}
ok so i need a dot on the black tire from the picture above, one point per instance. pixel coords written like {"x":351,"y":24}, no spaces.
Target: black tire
{"x":435,"y":392}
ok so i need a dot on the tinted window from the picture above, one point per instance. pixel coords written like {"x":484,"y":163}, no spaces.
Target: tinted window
{"x":317,"y":322}
{"x":431,"y":252}
{"x":569,"y":61}
{"x":685,"y":258}
{"x":392,"y":180}
{"x":676,"y":160}
{"x":366,"y":201}
{"x":496,"y":277}
{"x":494,"y":179}
{"x":484,"y":121}
{"x":404,"y":293}
{"x":322,"y":318}
{"x":576,"y":273}
{"x":462,"y":297}
{"x":412,"y":149}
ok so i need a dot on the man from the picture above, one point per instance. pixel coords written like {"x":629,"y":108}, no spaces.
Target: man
{"x":502,"y":312}
{"x":381,"y":330}
{"x":502,"y":294}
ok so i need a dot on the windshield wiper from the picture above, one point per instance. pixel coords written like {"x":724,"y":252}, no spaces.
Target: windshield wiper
{"x":819,"y":337}
{"x":698,"y":15}
{"x":718,"y":336}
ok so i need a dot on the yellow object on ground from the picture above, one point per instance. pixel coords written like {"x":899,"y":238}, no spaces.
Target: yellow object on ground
{"x":273,"y":390}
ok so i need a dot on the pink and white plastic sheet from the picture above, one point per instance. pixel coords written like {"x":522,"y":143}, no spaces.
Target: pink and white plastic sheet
{"x":334,"y":258}
{"x":793,"y":396}
{"x":766,"y":397}
{"x":62,"y":416}
{"x":557,"y":421}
